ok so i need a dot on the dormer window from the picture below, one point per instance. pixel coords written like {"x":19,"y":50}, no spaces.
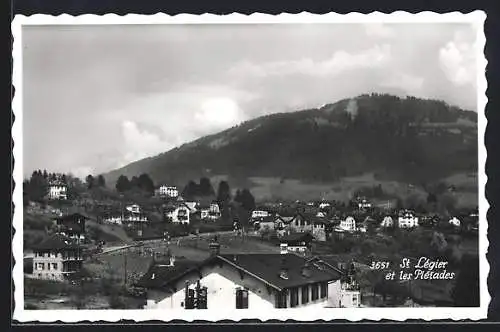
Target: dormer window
{"x":284,"y":274}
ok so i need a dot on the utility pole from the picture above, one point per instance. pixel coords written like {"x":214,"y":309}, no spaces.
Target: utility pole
{"x":125,"y":267}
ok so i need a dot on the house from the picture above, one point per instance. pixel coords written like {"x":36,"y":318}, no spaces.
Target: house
{"x":363,"y":203}
{"x":168,"y":191}
{"x":58,"y":190}
{"x":350,"y":293}
{"x":214,"y":212}
{"x":72,"y":225}
{"x":455,"y":222}
{"x":134,"y":208}
{"x":177,"y":212}
{"x":321,"y":214}
{"x":296,"y":242}
{"x":348,"y":224}
{"x":407,"y":219}
{"x":257,"y":214}
{"x":263,"y":223}
{"x":113,"y":218}
{"x":56,"y":258}
{"x":319,"y":230}
{"x":301,"y":223}
{"x":324,"y":206}
{"x":387,"y":222}
{"x":131,"y":218}
{"x":204,"y":212}
{"x":241,"y":281}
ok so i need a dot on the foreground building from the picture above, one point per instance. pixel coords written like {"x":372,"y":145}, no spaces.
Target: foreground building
{"x":56,"y":258}
{"x":242,"y":281}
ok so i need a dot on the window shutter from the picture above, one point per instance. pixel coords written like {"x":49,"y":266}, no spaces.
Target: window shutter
{"x":245,"y":299}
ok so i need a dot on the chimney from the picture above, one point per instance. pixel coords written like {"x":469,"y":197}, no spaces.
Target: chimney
{"x":306,"y":271}
{"x":214,"y":247}
{"x":283,"y":269}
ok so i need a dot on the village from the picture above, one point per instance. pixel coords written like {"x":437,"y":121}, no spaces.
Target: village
{"x":197,"y":248}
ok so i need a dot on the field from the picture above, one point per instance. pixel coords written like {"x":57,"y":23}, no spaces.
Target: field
{"x":273,"y":188}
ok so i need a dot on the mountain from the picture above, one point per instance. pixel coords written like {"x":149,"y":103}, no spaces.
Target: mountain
{"x":408,"y":139}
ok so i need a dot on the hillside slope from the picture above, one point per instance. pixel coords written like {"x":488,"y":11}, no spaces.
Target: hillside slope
{"x":403,"y":139}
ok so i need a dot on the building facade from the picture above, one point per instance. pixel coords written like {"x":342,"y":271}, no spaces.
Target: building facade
{"x":348,"y":224}
{"x":168,"y":191}
{"x":56,"y":258}
{"x":58,"y":190}
{"x":407,"y":219}
{"x":244,"y":281}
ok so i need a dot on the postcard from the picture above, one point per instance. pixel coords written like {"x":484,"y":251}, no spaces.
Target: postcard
{"x":209,"y":167}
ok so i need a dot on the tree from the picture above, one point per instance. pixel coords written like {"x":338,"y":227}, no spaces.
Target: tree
{"x":122,"y":184}
{"x":45,"y":174}
{"x":205,"y":188}
{"x":145,"y":183}
{"x":134,"y":182}
{"x":237,"y":196}
{"x":223,"y":199}
{"x":37,"y":187}
{"x":190,"y":190}
{"x":223,"y":193}
{"x":247,"y":200}
{"x":101,"y":182}
{"x":89,"y":180}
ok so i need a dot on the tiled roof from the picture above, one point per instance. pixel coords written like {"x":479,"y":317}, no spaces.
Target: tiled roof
{"x":56,"y":242}
{"x":72,"y":217}
{"x":296,"y":238}
{"x":159,"y":275}
{"x":265,"y":267}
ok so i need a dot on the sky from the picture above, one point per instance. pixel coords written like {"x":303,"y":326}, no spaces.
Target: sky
{"x":96,"y":98}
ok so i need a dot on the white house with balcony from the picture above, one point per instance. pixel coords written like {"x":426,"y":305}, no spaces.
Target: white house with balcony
{"x":407,"y":219}
{"x":168,"y":191}
{"x":348,"y":224}
{"x":58,"y":190}
{"x":178,"y":213}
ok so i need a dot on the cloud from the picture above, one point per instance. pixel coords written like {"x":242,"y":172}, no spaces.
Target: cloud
{"x":339,"y":62}
{"x":139,"y":143}
{"x":219,"y":113}
{"x":379,"y":30}
{"x":457,"y":60}
{"x":412,"y":85}
{"x":82,"y":172}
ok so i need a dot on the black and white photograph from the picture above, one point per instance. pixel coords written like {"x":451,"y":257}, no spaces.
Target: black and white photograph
{"x":280,"y":167}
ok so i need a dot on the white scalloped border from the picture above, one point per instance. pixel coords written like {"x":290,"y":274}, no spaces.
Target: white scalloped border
{"x":303,"y":314}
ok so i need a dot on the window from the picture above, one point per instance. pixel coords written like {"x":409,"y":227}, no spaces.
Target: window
{"x":294,"y":297}
{"x":52,"y":255}
{"x":305,"y":294}
{"x":54,"y":266}
{"x":189,"y":299}
{"x":314,"y":293}
{"x":323,"y":290}
{"x":40,"y":266}
{"x":241,"y":298}
{"x":202,"y":298}
{"x":281,"y":299}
